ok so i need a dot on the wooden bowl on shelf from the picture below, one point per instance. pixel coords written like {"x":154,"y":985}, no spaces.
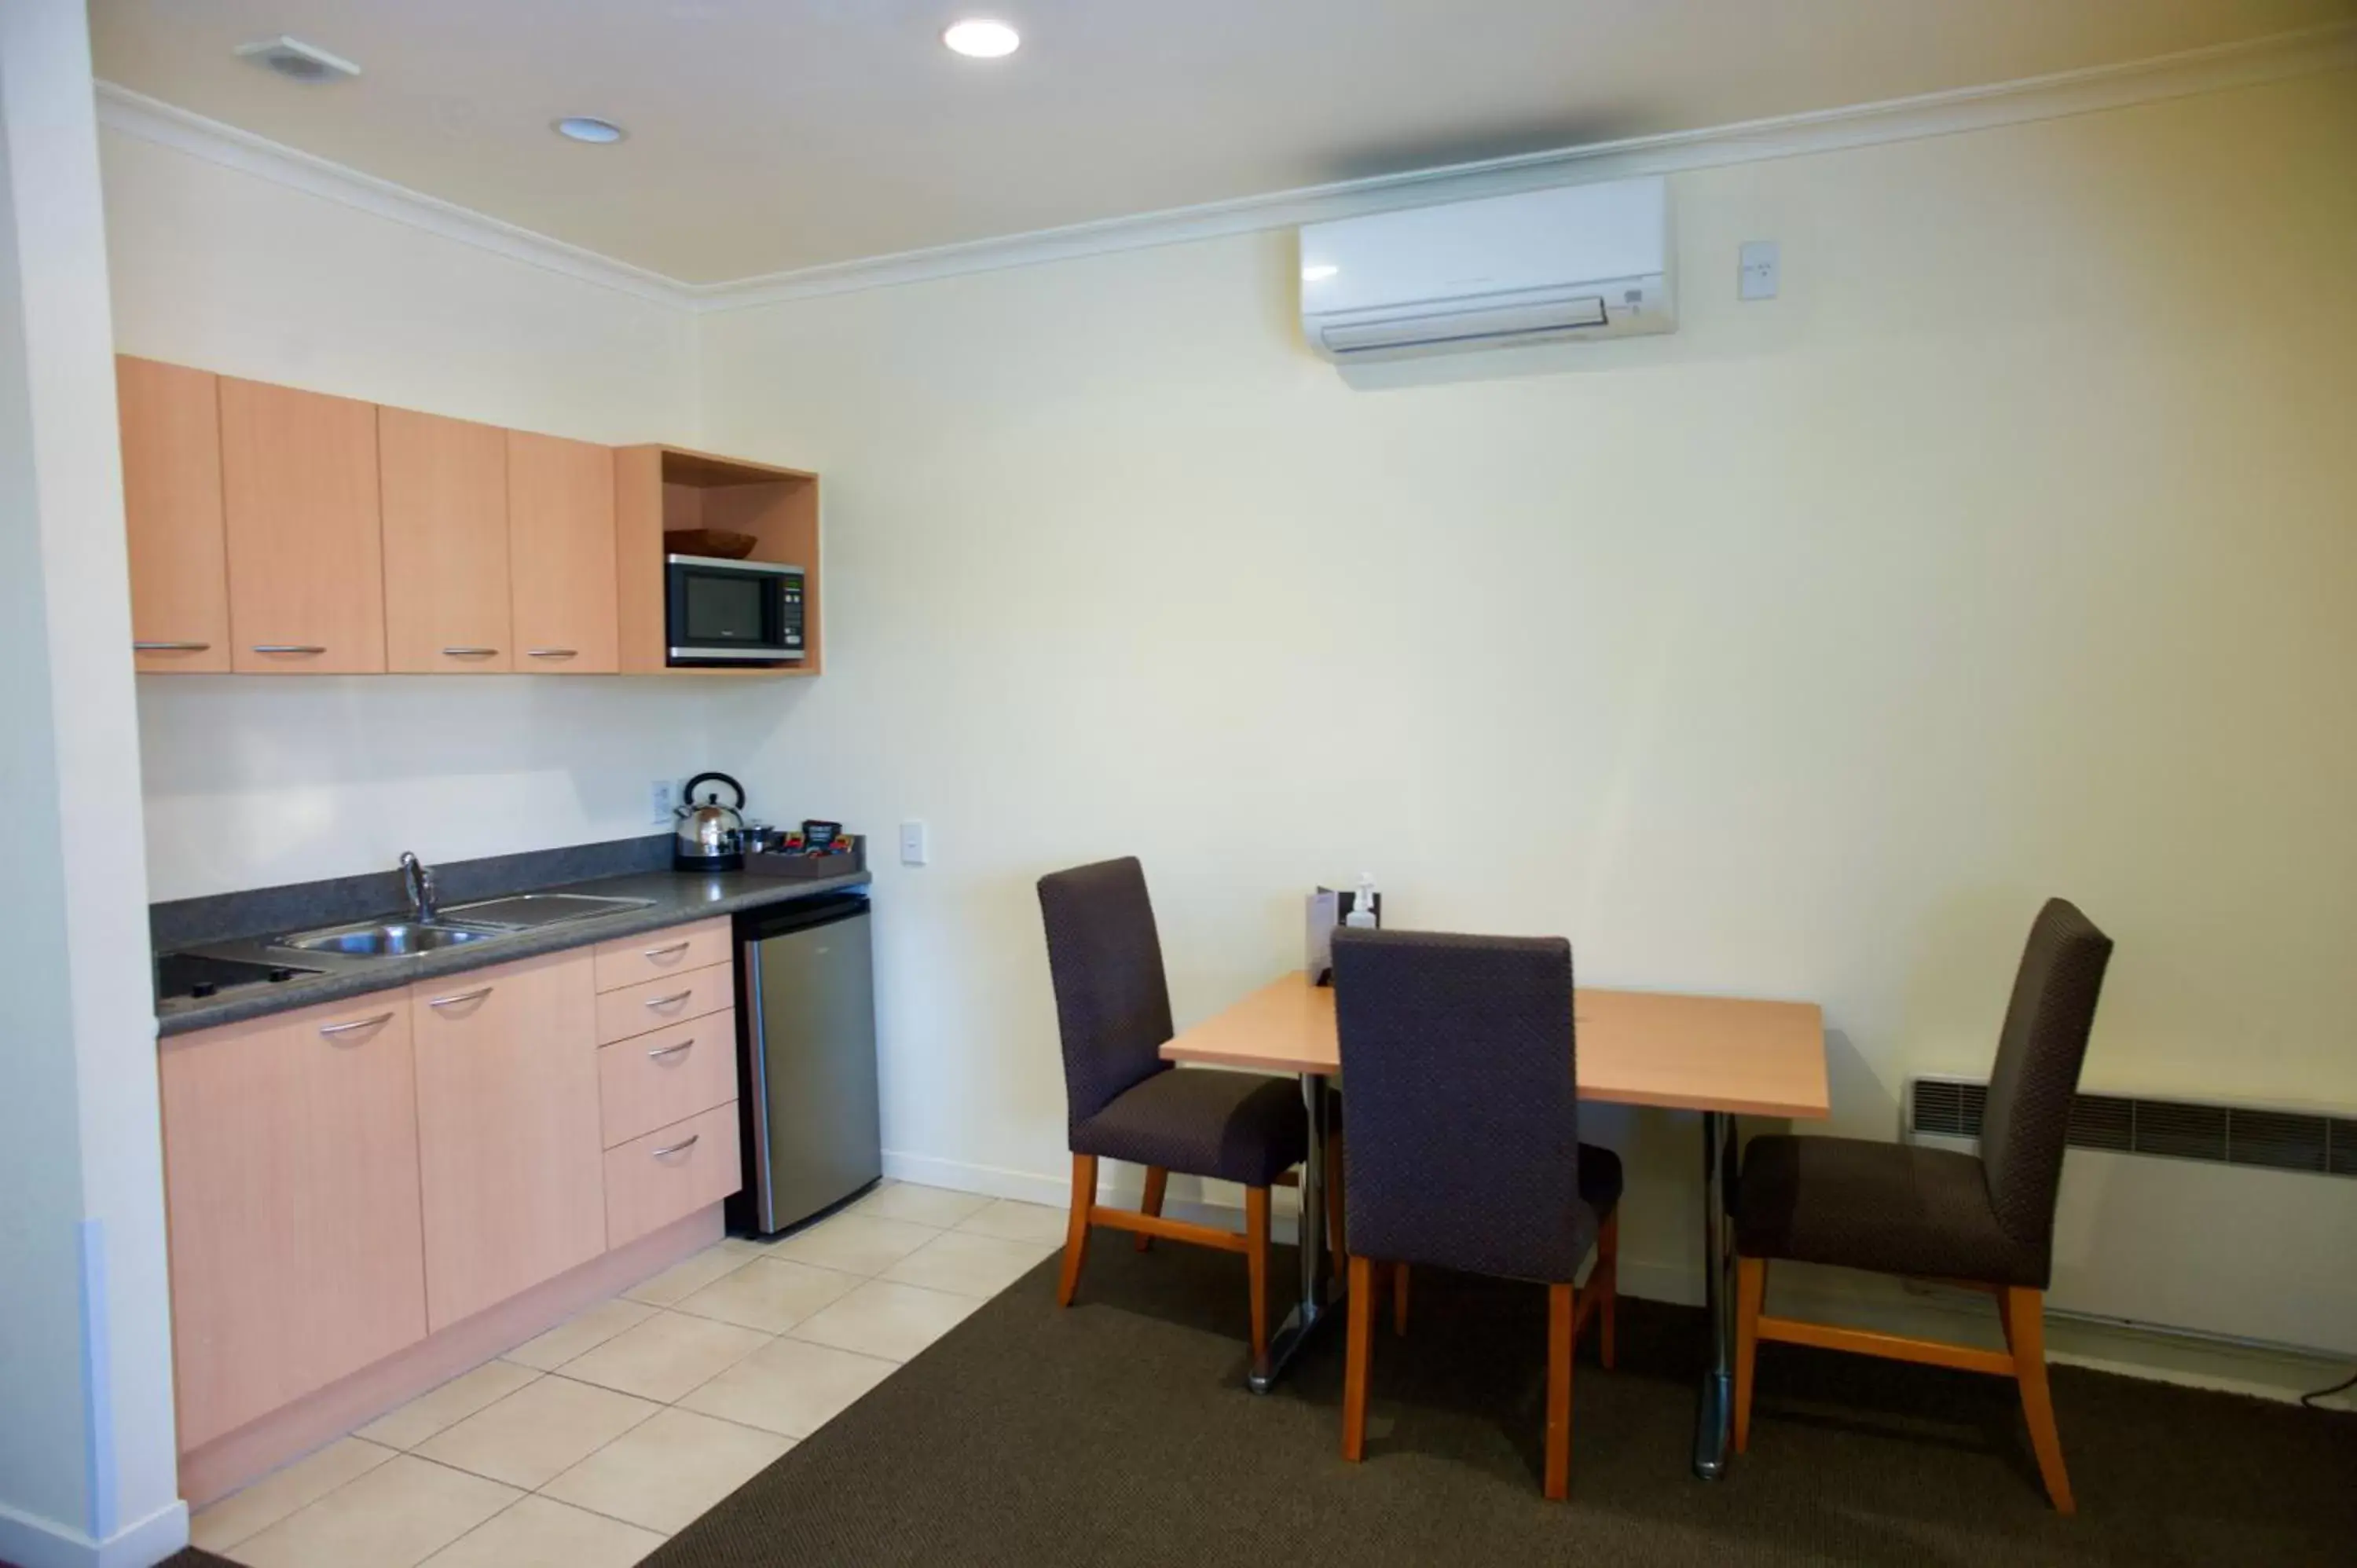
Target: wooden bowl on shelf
{"x":716,"y":544}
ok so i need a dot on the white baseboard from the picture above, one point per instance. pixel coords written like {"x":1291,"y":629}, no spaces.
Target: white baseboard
{"x":1832,"y":1295}
{"x":29,"y":1542}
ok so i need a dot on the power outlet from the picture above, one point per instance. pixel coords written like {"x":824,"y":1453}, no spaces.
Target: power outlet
{"x":1758,"y":270}
{"x":662,"y":794}
{"x":915,"y":843}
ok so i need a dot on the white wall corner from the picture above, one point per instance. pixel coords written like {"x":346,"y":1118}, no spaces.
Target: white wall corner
{"x":30,"y":1542}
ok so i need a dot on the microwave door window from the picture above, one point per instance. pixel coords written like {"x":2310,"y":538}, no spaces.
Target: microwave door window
{"x":724,"y":609}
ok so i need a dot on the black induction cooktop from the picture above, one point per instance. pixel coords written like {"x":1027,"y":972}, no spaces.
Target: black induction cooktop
{"x":189,"y":976}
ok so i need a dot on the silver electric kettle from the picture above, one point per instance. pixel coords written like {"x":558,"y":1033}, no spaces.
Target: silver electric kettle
{"x":708,"y":835}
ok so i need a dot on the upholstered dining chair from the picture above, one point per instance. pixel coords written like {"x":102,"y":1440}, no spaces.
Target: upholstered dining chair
{"x":1985,"y":1221}
{"x":1459,"y":1052}
{"x":1123,"y":1101}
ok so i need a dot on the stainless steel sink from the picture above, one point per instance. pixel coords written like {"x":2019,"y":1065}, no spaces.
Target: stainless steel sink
{"x":529,"y":911}
{"x":386,"y":938}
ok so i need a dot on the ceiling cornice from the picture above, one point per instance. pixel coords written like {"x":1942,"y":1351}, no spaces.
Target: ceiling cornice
{"x":151,"y":119}
{"x":1947,"y":113}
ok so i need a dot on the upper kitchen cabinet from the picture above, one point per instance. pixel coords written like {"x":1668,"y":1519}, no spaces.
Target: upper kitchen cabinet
{"x":172,"y":513}
{"x":445,"y":487}
{"x":306,"y":562}
{"x":667,"y":490}
{"x":561,"y":555}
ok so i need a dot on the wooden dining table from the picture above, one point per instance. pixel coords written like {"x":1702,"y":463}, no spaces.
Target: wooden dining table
{"x":1718,"y":1055}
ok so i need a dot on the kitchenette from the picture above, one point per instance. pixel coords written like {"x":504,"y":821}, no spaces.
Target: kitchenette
{"x":414,"y":1116}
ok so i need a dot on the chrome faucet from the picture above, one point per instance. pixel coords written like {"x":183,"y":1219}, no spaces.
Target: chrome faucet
{"x":419,"y":878}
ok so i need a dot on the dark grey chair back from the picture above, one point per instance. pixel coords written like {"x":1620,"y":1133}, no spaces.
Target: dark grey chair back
{"x":1463,"y":1111}
{"x":2027,"y":1117}
{"x":1113,"y":1003}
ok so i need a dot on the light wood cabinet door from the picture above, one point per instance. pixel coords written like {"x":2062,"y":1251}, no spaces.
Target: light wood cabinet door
{"x":306,"y":563}
{"x":445,"y":487}
{"x":170,"y":418}
{"x":510,"y":1137}
{"x":561,"y":555}
{"x":290,"y":1172}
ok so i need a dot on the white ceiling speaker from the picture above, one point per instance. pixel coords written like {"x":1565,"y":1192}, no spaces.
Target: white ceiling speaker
{"x":298,"y":61}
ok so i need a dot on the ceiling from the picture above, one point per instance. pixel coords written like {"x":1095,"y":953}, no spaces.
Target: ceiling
{"x":767,"y":135}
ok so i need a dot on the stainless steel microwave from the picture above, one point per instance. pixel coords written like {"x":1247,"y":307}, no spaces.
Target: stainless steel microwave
{"x":732,"y":612}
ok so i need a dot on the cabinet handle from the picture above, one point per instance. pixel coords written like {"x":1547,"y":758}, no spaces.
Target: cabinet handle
{"x":662,"y":1052}
{"x":332,"y":1030}
{"x":675,"y":996}
{"x":289,"y":648}
{"x":471,"y":653}
{"x":552,"y":652}
{"x":457,"y":996}
{"x":667,"y":951}
{"x":171,"y":647}
{"x":688,"y":1142}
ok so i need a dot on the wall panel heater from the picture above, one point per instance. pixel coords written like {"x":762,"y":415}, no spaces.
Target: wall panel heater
{"x":2237,"y":1221}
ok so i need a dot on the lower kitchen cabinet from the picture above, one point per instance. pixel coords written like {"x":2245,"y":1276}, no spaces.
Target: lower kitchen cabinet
{"x":508,"y":1131}
{"x":291,"y":1172}
{"x":671,"y":1172}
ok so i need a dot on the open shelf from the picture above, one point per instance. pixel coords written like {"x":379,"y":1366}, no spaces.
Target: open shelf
{"x":659,"y":488}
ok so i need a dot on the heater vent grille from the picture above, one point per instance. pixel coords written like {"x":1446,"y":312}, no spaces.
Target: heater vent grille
{"x":2168,"y":1129}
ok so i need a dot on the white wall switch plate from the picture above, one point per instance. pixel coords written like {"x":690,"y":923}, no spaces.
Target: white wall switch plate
{"x":662,"y":794}
{"x":1757,"y":270}
{"x":915,"y":843}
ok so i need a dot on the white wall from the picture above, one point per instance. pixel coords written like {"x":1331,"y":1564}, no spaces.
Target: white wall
{"x":1799,"y":654}
{"x":86,"y":1442}
{"x":253,"y":782}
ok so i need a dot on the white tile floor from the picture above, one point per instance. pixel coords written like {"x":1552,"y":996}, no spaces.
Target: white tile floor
{"x":588,"y":1446}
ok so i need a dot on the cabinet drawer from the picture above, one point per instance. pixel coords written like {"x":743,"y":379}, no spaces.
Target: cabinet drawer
{"x":659,"y":1003}
{"x":633,"y":959}
{"x":654,"y":1081}
{"x":671,"y":1173}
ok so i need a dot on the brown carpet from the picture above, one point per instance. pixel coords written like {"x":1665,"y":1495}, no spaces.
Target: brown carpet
{"x":1120,"y":1433}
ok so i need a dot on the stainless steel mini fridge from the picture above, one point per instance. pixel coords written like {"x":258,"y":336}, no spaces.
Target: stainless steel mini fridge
{"x":806,"y":1062}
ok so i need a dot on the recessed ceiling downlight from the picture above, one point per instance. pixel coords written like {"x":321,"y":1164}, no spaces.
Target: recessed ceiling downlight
{"x":982,"y":38}
{"x":298,"y":61}
{"x":585,"y":128}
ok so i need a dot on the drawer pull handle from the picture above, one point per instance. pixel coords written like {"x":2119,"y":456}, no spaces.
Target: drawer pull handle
{"x":332,"y":1030}
{"x":661,"y":1051}
{"x":666,"y":951}
{"x":687,"y":1142}
{"x":674,"y":999}
{"x":457,"y":996}
{"x":552,"y":652}
{"x":171,"y":647}
{"x":471,"y":653}
{"x":289,"y":648}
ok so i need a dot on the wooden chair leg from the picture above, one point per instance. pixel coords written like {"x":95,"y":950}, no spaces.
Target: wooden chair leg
{"x":1399,"y":1300}
{"x":1607,"y":1279}
{"x":1256,"y":1264}
{"x":1158,"y":1179}
{"x":1076,"y":1231}
{"x":1562,"y":1303}
{"x":1750,"y":1293}
{"x":2025,"y":1324}
{"x":1354,"y":1360}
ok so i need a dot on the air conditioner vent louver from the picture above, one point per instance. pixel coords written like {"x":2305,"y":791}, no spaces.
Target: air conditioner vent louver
{"x":2182,"y":1132}
{"x":1949,"y":1110}
{"x":2280,"y":1142}
{"x":2103,"y":1121}
{"x":2170,"y":1129}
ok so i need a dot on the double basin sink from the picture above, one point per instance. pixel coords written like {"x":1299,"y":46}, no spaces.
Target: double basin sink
{"x":466,"y":923}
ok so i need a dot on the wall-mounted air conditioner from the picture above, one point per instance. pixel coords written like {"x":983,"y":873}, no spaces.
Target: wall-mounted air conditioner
{"x":1579,"y":261}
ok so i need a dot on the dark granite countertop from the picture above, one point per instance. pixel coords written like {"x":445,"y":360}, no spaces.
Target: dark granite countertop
{"x":677,"y":899}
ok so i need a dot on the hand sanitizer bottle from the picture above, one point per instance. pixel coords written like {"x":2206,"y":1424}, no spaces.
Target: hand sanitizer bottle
{"x":1361,"y":917}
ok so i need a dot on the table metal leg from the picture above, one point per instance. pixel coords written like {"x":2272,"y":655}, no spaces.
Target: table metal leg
{"x":1311,"y":1309}
{"x":1715,"y":1411}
